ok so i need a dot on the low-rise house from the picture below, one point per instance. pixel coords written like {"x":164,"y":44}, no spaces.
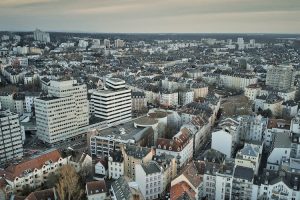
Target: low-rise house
{"x":48,"y":194}
{"x":34,"y":171}
{"x":101,"y":168}
{"x":96,"y":190}
{"x":115,"y":165}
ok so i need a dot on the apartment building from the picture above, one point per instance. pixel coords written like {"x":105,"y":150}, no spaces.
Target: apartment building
{"x":280,"y":77}
{"x":33,"y":171}
{"x":11,"y":141}
{"x":134,"y":155}
{"x":149,"y":177}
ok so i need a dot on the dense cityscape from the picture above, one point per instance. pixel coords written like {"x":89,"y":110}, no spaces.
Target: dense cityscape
{"x":167,"y":116}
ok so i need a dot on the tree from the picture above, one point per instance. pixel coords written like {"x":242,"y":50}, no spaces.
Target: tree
{"x":185,"y":75}
{"x":68,"y":186}
{"x":52,"y":180}
{"x":267,"y":113}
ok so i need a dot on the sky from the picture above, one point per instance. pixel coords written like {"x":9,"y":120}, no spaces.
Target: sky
{"x":152,"y":16}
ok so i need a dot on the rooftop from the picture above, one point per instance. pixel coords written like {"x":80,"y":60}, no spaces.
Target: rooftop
{"x":282,"y":140}
{"x":151,"y":167}
{"x":243,"y":173}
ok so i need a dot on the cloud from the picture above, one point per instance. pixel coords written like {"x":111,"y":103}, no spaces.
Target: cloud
{"x":153,"y":15}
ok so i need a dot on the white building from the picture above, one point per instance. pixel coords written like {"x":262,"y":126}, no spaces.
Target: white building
{"x":106,"y":43}
{"x":168,"y":98}
{"x":279,"y":185}
{"x":149,"y":177}
{"x":78,"y":92}
{"x":185,"y":97}
{"x":11,"y":141}
{"x":240,"y":43}
{"x":115,"y":165}
{"x":34,"y":171}
{"x":41,"y":36}
{"x":249,"y":156}
{"x":223,"y":141}
{"x":280,"y":152}
{"x":83,"y":43}
{"x":101,"y":170}
{"x":237,"y":81}
{"x":29,"y":101}
{"x":119,"y":43}
{"x":56,"y":119}
{"x":113,"y":104}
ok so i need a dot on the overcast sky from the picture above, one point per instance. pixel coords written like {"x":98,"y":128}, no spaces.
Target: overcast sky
{"x":143,"y":16}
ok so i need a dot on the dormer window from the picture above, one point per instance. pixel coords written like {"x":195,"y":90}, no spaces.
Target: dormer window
{"x":159,"y":146}
{"x":170,"y":148}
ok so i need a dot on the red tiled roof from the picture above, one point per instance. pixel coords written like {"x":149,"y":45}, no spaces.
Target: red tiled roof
{"x":16,"y":170}
{"x":175,"y":144}
{"x":48,"y":194}
{"x":179,"y":189}
{"x":194,"y":172}
{"x":96,"y":187}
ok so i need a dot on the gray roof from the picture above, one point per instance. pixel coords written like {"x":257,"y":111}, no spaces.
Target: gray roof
{"x":151,"y":167}
{"x":282,"y":140}
{"x":126,"y":131}
{"x":250,"y":150}
{"x":137,"y":152}
{"x":245,"y":173}
{"x":121,"y":189}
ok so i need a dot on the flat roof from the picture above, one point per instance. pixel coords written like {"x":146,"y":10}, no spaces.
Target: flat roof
{"x":125,"y":131}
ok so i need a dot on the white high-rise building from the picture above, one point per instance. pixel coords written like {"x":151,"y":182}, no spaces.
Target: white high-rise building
{"x":59,"y":115}
{"x":107,"y":43}
{"x":240,"y":43}
{"x":119,"y":43}
{"x":79,"y":94}
{"x":41,"y":36}
{"x":113,"y":103}
{"x":11,"y":144}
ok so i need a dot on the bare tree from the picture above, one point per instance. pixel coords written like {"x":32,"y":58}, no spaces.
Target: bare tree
{"x":68,"y":186}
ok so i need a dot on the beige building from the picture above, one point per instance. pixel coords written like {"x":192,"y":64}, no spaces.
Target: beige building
{"x":135,"y":155}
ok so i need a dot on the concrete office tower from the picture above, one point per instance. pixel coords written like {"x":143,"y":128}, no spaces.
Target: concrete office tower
{"x":280,"y":77}
{"x":113,"y":103}
{"x":41,"y":36}
{"x":11,"y":144}
{"x":79,"y":94}
{"x":59,"y":115}
{"x":107,"y":43}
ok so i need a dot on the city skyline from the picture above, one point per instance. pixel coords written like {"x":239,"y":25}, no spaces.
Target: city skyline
{"x":133,"y":16}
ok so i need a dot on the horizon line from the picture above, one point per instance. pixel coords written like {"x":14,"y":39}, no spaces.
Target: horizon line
{"x":90,"y":32}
